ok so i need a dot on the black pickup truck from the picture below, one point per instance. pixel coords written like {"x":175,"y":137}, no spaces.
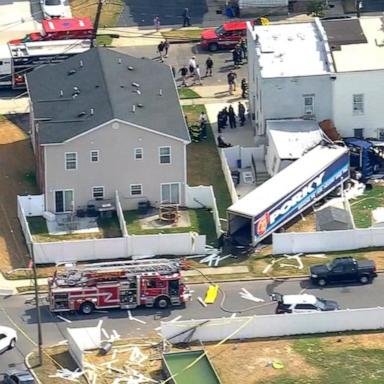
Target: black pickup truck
{"x":343,"y":269}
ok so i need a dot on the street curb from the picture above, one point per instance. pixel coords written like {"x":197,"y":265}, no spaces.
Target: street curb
{"x":26,"y":360}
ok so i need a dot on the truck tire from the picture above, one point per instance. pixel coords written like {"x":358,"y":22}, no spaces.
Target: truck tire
{"x":87,"y":308}
{"x":213,"y":47}
{"x":364,"y":279}
{"x":12,"y":344}
{"x":162,"y":302}
{"x":321,"y":282}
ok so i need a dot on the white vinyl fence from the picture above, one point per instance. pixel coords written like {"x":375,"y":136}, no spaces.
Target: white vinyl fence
{"x":120,"y":215}
{"x":273,"y":325}
{"x":309,"y":242}
{"x":32,"y":205}
{"x":203,"y":196}
{"x":227,"y":174}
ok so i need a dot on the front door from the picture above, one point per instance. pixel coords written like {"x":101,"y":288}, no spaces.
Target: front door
{"x":64,"y":201}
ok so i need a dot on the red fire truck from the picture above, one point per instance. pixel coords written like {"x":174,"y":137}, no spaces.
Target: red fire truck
{"x":125,"y":285}
{"x":60,"y":29}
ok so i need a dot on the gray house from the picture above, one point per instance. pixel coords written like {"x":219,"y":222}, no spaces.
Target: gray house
{"x":104,"y":121}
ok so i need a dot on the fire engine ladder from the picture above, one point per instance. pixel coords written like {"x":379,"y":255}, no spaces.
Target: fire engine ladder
{"x":133,"y":267}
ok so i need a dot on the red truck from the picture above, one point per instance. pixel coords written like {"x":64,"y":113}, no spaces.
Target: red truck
{"x":60,"y":29}
{"x":227,"y":35}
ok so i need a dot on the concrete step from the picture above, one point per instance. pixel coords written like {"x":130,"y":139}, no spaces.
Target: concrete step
{"x":261,"y":177}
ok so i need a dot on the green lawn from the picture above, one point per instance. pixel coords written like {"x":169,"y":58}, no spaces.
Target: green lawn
{"x":183,"y":34}
{"x":187,"y":93}
{"x":103,"y":40}
{"x":201,"y":222}
{"x":363,"y":206}
{"x":203,"y":163}
{"x":335,"y":365}
{"x":39,"y":231}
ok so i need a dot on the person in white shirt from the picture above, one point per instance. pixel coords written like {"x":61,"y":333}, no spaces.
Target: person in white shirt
{"x":192,"y":65}
{"x":197,"y":78}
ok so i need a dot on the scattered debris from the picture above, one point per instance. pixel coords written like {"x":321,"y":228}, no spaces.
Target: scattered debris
{"x":277,"y":364}
{"x":248,"y":296}
{"x":64,"y":319}
{"x":130,"y":317}
{"x":66,"y":374}
{"x":211,"y":295}
{"x":137,"y":357}
{"x":201,"y":301}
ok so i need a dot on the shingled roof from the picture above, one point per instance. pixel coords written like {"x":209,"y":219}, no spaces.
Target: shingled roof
{"x":100,"y":85}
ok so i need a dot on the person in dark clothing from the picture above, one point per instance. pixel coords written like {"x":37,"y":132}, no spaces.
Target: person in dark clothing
{"x":173,"y":69}
{"x":241,"y":113}
{"x":186,"y":18}
{"x":244,"y":88}
{"x":160,"y":49}
{"x":221,"y":143}
{"x":231,"y":117}
{"x":184,"y":72}
{"x":239,"y":53}
{"x":208,"y":66}
{"x":219,"y":121}
{"x":244,"y":48}
{"x":225,"y":116}
{"x":235,"y":58}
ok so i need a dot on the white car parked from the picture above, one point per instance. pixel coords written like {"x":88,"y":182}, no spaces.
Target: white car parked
{"x":8,"y":338}
{"x":53,"y":8}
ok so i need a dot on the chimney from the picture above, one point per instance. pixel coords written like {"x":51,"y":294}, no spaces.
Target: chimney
{"x":81,"y":63}
{"x":61,"y":93}
{"x":119,"y":61}
{"x":92,"y":112}
{"x":160,"y":92}
{"x":133,"y":108}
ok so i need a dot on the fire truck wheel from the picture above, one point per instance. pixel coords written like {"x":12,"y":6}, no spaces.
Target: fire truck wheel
{"x":162,"y":302}
{"x":87,"y":308}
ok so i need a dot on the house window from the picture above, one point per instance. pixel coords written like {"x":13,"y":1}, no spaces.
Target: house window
{"x":98,"y":193}
{"x":165,"y":155}
{"x":95,"y":156}
{"x":138,"y":153}
{"x":380,"y":134}
{"x":358,"y":104}
{"x":309,"y":105}
{"x":170,"y":193}
{"x":359,"y":133}
{"x":70,"y":161}
{"x":136,"y":189}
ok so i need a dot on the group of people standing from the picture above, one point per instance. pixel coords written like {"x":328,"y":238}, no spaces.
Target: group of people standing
{"x":192,"y":70}
{"x":240,"y":53}
{"x":162,"y":49}
{"x":228,"y":115}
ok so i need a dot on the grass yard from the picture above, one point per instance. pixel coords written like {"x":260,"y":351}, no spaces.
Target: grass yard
{"x":87,"y":8}
{"x":183,"y":34}
{"x":201,"y":222}
{"x":365,"y":204}
{"x":203,"y":163}
{"x":39,"y":231}
{"x":334,"y":359}
{"x":187,"y":93}
{"x":104,"y":40}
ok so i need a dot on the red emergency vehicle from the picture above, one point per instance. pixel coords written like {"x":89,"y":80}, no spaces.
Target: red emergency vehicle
{"x":60,"y":29}
{"x":125,"y":285}
{"x":228,"y":35}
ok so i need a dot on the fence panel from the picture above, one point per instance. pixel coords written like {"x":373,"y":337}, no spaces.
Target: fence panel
{"x":120,"y":215}
{"x":32,"y":205}
{"x":24,"y":224}
{"x":274,"y":325}
{"x":308,"y":242}
{"x":227,"y":175}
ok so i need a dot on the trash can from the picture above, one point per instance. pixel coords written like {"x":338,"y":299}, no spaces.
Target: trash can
{"x":229,"y":12}
{"x":105,"y":348}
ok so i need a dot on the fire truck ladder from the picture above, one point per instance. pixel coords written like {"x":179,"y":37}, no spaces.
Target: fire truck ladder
{"x":133,"y":267}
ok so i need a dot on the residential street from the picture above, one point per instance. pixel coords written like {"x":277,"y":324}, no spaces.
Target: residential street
{"x":147,"y":320}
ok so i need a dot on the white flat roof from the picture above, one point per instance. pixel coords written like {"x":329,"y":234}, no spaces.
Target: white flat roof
{"x":292,"y":138}
{"x":290,"y":50}
{"x":364,"y":56}
{"x":284,"y":182}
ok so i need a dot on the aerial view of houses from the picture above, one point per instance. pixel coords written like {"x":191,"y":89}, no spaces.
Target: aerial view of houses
{"x":192,"y":192}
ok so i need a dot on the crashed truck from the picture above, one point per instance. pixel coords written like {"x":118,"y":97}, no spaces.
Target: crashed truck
{"x":291,"y":191}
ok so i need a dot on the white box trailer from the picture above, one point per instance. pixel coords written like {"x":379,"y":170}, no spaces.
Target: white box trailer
{"x":284,"y":196}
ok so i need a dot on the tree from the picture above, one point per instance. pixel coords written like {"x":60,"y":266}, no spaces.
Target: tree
{"x":316,"y":8}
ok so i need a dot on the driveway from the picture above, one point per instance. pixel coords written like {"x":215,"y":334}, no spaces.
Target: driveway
{"x":142,"y":12}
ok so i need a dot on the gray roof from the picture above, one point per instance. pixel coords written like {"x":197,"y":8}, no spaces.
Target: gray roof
{"x":105,"y":93}
{"x":331,"y":215}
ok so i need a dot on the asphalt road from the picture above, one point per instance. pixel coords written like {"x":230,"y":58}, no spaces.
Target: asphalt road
{"x":142,"y":12}
{"x":179,"y":54}
{"x":145,"y":321}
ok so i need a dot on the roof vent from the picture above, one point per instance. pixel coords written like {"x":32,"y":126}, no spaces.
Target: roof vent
{"x":81,"y":114}
{"x":121,"y":85}
{"x":138,"y":91}
{"x":81,"y":64}
{"x":97,"y":86}
{"x":76,"y":90}
{"x":160,"y":92}
{"x":140,"y":105}
{"x":136,"y":85}
{"x":71,"y":72}
{"x":119,"y":61}
{"x":61,"y":93}
{"x":133,"y":108}
{"x":92,"y":111}
{"x":130,"y":68}
{"x":74,"y":95}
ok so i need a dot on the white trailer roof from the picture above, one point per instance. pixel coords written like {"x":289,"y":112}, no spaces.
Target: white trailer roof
{"x":284,"y":182}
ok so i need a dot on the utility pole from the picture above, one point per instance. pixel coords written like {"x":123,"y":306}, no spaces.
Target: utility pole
{"x":38,"y":315}
{"x":96,"y":22}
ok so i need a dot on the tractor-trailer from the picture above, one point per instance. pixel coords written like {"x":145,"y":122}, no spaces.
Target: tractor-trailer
{"x":287,"y":194}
